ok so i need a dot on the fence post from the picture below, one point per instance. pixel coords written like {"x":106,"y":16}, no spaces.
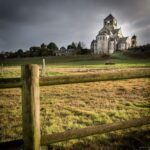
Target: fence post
{"x":31,"y":107}
{"x":43,"y":67}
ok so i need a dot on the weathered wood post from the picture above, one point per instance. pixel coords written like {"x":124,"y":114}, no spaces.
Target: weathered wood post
{"x":31,"y":107}
{"x":43,"y":67}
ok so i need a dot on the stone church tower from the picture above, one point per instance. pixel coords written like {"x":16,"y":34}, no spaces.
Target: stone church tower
{"x":110,"y":38}
{"x":133,"y":41}
{"x":110,"y":23}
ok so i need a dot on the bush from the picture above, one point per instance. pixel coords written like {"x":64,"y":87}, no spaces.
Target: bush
{"x":139,"y":52}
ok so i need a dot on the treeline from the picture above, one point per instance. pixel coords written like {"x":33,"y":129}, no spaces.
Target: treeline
{"x":48,"y":50}
{"x":139,"y":51}
{"x":34,"y":51}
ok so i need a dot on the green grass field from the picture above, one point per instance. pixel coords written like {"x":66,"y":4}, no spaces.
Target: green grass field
{"x":66,"y":107}
{"x":81,"y":61}
{"x":73,"y":64}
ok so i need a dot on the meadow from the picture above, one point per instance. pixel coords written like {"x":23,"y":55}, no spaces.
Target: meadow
{"x":65,"y":107}
{"x":65,"y":65}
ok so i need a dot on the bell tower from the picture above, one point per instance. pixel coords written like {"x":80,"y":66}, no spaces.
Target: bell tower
{"x":134,"y":41}
{"x":110,"y":22}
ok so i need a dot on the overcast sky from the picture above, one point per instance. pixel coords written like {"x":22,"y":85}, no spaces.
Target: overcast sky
{"x":26,"y":23}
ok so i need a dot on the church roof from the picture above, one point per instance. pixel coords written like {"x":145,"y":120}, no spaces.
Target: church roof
{"x":123,"y":39}
{"x":104,"y":31}
{"x":116,"y":31}
{"x":134,"y":37}
{"x":111,"y":39}
{"x":109,"y":17}
{"x":94,"y":41}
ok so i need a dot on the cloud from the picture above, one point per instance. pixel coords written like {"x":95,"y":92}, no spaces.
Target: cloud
{"x":32,"y":22}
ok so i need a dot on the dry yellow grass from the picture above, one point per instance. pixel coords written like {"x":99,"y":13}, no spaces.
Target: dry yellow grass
{"x":78,"y":105}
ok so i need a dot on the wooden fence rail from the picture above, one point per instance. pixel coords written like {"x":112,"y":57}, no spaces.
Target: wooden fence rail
{"x":79,"y":133}
{"x":93,"y":77}
{"x":92,"y":130}
{"x":30,"y":84}
{"x":10,"y":83}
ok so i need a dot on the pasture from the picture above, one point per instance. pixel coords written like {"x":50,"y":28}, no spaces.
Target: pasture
{"x":65,"y":65}
{"x":65,"y":107}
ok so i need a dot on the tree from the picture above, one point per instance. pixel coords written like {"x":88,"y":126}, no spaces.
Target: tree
{"x":35,"y":51}
{"x":52,"y":46}
{"x":69,"y":47}
{"x":73,"y":45}
{"x":79,"y":47}
{"x":62,"y":48}
{"x":43,"y":45}
{"x":19,"y":53}
{"x":85,"y":51}
{"x":44,"y":52}
{"x":27,"y":53}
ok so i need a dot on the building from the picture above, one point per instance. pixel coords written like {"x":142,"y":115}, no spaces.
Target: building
{"x":65,"y":52}
{"x":133,"y":41}
{"x":110,"y":38}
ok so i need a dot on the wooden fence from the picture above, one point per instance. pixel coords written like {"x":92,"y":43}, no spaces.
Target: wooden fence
{"x":30,"y":84}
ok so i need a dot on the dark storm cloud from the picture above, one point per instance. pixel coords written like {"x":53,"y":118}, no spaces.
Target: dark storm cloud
{"x":24,"y":23}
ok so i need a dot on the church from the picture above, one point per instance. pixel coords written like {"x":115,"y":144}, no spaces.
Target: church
{"x":110,"y":38}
